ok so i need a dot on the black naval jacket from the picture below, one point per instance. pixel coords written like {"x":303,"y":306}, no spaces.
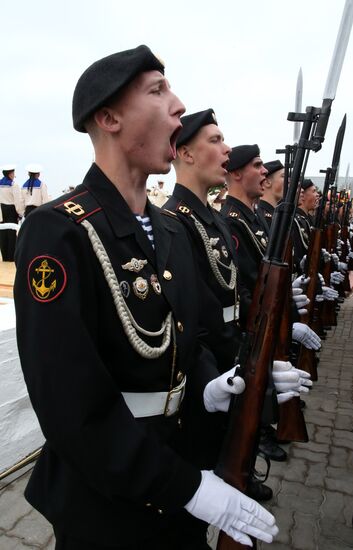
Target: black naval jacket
{"x":100,"y":468}
{"x":301,"y":237}
{"x":222,"y":338}
{"x":265,"y":212}
{"x":250,"y":237}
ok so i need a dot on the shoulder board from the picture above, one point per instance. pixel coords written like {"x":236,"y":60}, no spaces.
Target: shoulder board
{"x":233,"y":213}
{"x":79,"y":207}
{"x":169,"y":213}
{"x":183,"y":209}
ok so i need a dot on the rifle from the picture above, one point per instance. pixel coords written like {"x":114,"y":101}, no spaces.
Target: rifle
{"x":265,"y":312}
{"x":291,"y":423}
{"x":345,"y":236}
{"x":256,"y":356}
{"x":307,"y":358}
{"x":329,"y":317}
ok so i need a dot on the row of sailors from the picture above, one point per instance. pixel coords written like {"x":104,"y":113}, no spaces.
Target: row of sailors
{"x":133,"y":403}
{"x":16,"y":202}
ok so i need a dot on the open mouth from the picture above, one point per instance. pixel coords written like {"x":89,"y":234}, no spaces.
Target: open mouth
{"x":225,"y":165}
{"x":173,"y":140}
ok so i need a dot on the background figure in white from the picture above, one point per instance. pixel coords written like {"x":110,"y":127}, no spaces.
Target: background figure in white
{"x":157,"y":195}
{"x":34,"y":191}
{"x":10,"y":211}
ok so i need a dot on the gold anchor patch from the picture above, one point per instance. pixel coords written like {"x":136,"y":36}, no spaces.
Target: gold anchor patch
{"x":46,"y":278}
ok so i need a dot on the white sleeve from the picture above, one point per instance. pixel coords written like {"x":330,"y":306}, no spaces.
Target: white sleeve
{"x":45,"y":197}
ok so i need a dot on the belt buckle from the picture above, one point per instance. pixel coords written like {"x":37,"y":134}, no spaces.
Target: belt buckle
{"x":178,"y":390}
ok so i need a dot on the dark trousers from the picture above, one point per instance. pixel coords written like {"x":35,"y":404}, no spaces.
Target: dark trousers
{"x":186,"y":533}
{"x":8,"y":236}
{"x":28,"y":210}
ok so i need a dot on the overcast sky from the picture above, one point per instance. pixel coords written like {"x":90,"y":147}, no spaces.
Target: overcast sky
{"x":240,"y":58}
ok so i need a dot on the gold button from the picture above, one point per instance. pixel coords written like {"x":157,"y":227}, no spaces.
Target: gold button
{"x":179,"y":376}
{"x":180,"y":326}
{"x":167,"y":275}
{"x":160,"y":511}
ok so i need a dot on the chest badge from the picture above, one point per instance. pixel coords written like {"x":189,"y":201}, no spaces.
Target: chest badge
{"x":140,"y":287}
{"x":125,"y":288}
{"x":155,"y":284}
{"x":134,"y":265}
{"x":46,"y":278}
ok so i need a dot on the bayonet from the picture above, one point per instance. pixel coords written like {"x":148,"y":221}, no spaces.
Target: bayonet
{"x":335,"y":70}
{"x":298,"y":105}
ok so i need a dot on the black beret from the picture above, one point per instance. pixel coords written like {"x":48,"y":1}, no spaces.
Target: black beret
{"x":306,"y":183}
{"x":193,"y":123}
{"x":241,"y":155}
{"x":273,"y":166}
{"x":106,"y":77}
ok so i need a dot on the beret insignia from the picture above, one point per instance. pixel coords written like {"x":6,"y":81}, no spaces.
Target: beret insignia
{"x":46,"y":278}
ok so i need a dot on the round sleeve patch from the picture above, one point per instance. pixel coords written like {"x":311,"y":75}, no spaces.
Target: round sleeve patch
{"x":46,"y":278}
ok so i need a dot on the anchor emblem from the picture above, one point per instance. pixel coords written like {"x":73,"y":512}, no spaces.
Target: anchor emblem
{"x":41,"y":290}
{"x":46,"y":278}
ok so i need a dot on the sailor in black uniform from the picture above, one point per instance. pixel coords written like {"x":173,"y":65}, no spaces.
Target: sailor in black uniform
{"x":272,"y":191}
{"x":102,"y":266}
{"x":245,"y":181}
{"x":200,"y":164}
{"x":303,"y":222}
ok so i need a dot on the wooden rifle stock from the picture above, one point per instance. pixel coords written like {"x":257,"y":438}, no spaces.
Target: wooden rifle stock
{"x":345,"y":250}
{"x":291,"y":424}
{"x":240,"y":442}
{"x":307,"y":358}
{"x":328,"y":308}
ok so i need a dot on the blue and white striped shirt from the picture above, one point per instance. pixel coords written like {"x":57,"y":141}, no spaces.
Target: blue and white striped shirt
{"x":145,"y":222}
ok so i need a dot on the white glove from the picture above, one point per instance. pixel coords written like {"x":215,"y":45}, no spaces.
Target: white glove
{"x":237,"y":515}
{"x":302,"y":263}
{"x":321,"y":279}
{"x":287,"y":378}
{"x":303,"y":334}
{"x":336,"y":278}
{"x":326,"y":256}
{"x":301,"y":300}
{"x":217,"y":393}
{"x":300,"y":282}
{"x":342,"y":266}
{"x":335,"y":258}
{"x":305,"y":380}
{"x":349,"y":255}
{"x":329,"y":293}
{"x":319,"y":298}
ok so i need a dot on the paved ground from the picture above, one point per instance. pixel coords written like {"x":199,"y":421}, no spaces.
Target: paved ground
{"x":313,"y":490}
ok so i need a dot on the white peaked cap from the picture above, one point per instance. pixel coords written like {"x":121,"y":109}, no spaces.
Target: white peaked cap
{"x":8,"y":167}
{"x":34,"y":168}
